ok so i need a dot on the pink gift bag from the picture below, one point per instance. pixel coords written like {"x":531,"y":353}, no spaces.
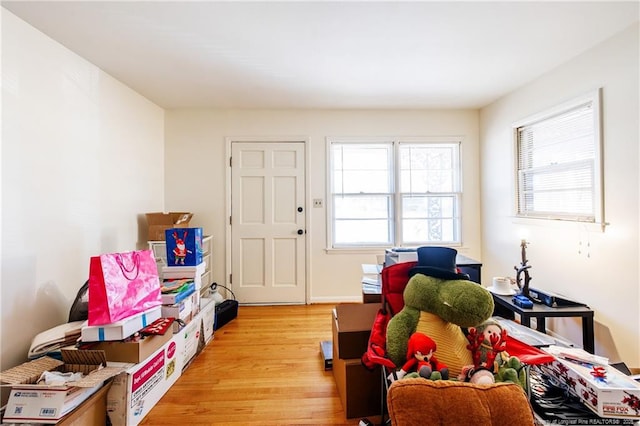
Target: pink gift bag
{"x":122,"y":285}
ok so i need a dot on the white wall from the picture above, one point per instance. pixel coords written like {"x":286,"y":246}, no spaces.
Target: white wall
{"x":607,"y":279}
{"x":82,"y":160}
{"x":195,"y":140}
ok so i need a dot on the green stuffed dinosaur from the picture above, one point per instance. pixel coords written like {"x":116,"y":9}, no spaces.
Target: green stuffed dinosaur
{"x":439,"y":307}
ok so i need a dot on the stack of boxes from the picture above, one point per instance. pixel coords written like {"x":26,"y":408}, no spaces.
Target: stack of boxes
{"x":359,"y":389}
{"x":141,"y":367}
{"x":183,"y":272}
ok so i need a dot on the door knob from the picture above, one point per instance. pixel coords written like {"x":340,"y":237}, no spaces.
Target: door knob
{"x":300,"y":232}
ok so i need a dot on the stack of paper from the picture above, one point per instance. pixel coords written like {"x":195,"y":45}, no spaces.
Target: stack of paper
{"x":55,"y":338}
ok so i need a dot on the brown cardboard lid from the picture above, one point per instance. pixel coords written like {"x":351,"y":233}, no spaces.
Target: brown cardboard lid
{"x":83,"y":357}
{"x":171,"y":218}
{"x":356,"y":316}
{"x":89,"y":362}
{"x":29,"y":372}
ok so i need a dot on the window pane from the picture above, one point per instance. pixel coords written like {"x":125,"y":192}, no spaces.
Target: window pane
{"x":428,"y":231}
{"x":361,"y":168}
{"x":355,"y":182}
{"x":352,"y":232}
{"x":429,"y":219}
{"x":426,"y":207}
{"x":361,"y":207}
{"x":427,"y":168}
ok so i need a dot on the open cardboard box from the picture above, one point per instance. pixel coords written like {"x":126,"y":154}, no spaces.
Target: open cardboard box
{"x":137,"y":390}
{"x":359,"y":388}
{"x":352,"y":324}
{"x":160,"y":222}
{"x":41,"y":403}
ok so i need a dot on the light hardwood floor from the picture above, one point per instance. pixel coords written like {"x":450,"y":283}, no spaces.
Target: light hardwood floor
{"x":262,"y":368}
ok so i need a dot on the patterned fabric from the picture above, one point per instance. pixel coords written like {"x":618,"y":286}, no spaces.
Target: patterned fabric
{"x":452,"y":343}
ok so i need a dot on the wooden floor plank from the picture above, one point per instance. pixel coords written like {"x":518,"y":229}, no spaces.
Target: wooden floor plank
{"x":263,"y":368}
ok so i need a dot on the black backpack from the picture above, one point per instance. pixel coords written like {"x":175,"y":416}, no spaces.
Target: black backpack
{"x":80,"y":308}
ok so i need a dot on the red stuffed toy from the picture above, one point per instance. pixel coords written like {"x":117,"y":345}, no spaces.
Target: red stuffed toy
{"x":421,"y":358}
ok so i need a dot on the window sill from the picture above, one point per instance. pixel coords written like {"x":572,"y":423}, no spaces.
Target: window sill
{"x":559,"y":223}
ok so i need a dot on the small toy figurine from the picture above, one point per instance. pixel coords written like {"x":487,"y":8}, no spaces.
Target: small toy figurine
{"x":421,"y":359}
{"x":599,"y":373}
{"x":180,"y":251}
{"x":491,"y":362}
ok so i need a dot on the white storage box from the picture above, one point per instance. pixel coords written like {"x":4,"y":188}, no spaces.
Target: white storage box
{"x":190,"y":335}
{"x":120,"y":330}
{"x":177,"y":272}
{"x":208,"y":314}
{"x":393,"y":256}
{"x":182,"y":310}
{"x":136,"y":391}
{"x":608,"y":397}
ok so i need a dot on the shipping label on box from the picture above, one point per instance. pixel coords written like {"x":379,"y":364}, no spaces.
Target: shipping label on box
{"x":607,"y":392}
{"x":136,"y":391}
{"x":184,"y":246}
{"x":28,"y":404}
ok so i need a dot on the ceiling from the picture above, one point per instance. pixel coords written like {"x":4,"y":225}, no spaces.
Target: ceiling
{"x":348,"y":54}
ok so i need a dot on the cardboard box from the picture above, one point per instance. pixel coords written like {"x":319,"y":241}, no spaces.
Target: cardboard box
{"x":352,"y":324}
{"x":91,"y":412}
{"x":41,"y":403}
{"x":136,"y":391}
{"x":122,"y":329}
{"x":608,"y":398}
{"x":159,"y":222}
{"x":360,"y":390}
{"x":190,"y":335}
{"x":208,"y":314}
{"x":133,"y":352}
{"x":184,"y":246}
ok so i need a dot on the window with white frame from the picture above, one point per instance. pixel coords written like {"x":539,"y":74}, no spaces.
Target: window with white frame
{"x":558,"y":164}
{"x":394,"y":192}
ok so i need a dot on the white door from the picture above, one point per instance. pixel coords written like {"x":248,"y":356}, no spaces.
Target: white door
{"x":268,"y":222}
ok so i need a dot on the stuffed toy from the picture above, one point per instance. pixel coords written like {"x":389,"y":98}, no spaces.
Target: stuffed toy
{"x":491,"y":362}
{"x":421,"y":361}
{"x":439,"y":300}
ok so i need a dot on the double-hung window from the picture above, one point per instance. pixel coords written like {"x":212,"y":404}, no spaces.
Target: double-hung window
{"x":558,"y":164}
{"x":399,"y":192}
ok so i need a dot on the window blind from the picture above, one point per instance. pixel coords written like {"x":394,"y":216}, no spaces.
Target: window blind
{"x":557,"y":165}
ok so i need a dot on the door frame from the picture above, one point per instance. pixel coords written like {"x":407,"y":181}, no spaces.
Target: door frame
{"x":229,"y":140}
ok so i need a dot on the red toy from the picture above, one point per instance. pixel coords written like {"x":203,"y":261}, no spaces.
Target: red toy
{"x":180,"y":251}
{"x":421,"y":358}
